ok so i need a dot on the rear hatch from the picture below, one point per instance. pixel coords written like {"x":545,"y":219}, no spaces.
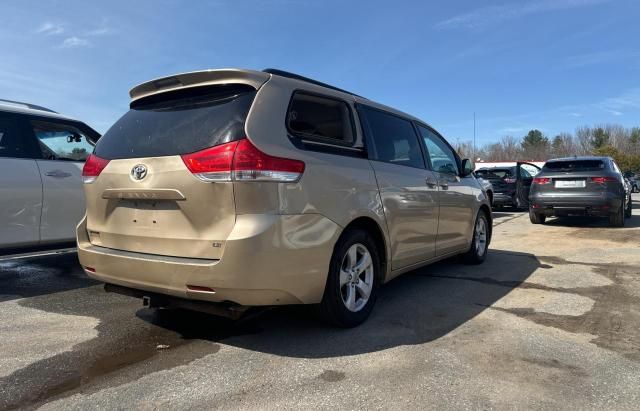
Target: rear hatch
{"x":142,"y":196}
{"x":503,"y":180}
{"x":575,"y":178}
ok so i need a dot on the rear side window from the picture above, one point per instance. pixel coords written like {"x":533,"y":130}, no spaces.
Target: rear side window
{"x":320,"y":118}
{"x":178,"y":123}
{"x":13,"y":142}
{"x":574,"y":165}
{"x":391,"y":139}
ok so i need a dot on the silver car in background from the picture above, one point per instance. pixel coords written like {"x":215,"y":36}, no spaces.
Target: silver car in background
{"x":41,"y":159}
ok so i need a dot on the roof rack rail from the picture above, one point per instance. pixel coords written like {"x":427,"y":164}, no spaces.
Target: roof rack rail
{"x":306,"y":79}
{"x":27,"y":105}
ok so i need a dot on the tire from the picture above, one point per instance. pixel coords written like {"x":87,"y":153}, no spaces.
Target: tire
{"x":536,"y":218}
{"x":480,"y":243}
{"x":629,"y":210}
{"x":617,"y":219}
{"x":344,"y":303}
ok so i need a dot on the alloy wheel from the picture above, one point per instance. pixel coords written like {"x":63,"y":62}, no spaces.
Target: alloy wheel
{"x":481,"y":237}
{"x":356,"y":277}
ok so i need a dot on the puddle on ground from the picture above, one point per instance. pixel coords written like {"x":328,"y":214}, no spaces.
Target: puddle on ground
{"x":110,"y":346}
{"x":612,"y":320}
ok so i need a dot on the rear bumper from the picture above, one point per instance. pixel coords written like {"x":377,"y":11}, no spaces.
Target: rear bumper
{"x":551,"y":205}
{"x":268,"y":260}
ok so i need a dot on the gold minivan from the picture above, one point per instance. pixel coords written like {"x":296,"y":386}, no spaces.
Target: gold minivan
{"x":221,"y":190}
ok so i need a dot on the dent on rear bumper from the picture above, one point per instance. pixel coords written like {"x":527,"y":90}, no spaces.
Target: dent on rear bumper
{"x":268,"y":260}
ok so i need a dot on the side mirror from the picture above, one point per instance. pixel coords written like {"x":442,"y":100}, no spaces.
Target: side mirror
{"x":467,"y":167}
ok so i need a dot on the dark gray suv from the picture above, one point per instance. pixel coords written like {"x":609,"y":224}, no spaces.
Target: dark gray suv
{"x":591,"y":186}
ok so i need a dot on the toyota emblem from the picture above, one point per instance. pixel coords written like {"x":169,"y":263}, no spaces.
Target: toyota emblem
{"x":139,"y":172}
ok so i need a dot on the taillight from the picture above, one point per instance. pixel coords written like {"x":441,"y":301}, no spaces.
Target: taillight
{"x":212,"y":164}
{"x":509,"y":180}
{"x":602,"y":180}
{"x":541,"y":180}
{"x":92,"y":168}
{"x":241,"y":161}
{"x":249,"y":163}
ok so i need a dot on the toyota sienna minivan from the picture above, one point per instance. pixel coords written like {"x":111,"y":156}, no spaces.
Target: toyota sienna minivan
{"x":221,"y":190}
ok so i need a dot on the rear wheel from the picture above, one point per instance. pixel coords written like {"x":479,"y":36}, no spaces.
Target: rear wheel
{"x":617,"y":219}
{"x":536,"y":218}
{"x":478,"y":251}
{"x":351,"y":288}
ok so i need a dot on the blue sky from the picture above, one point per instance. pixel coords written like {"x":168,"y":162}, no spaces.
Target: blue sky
{"x":546,"y":64}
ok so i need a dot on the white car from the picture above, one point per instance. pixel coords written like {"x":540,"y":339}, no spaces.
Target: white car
{"x":41,"y":159}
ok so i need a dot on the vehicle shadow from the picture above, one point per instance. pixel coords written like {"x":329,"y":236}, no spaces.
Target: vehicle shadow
{"x":30,"y":277}
{"x":588,"y":222}
{"x":418,"y":307}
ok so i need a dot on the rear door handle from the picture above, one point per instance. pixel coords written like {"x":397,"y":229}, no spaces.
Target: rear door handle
{"x":57,"y":174}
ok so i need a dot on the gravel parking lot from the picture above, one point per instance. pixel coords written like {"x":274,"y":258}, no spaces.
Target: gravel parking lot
{"x":551,"y":320}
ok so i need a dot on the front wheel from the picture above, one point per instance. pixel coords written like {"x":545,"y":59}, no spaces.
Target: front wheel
{"x":352,"y":284}
{"x":478,"y":251}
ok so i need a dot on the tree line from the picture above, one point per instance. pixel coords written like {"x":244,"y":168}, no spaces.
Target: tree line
{"x":616,"y":141}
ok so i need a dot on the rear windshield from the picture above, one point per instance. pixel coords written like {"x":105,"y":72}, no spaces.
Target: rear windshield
{"x":494,"y":173}
{"x":178,"y":123}
{"x":574,"y":165}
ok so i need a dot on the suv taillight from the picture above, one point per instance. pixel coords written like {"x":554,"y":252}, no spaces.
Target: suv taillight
{"x":92,"y":168}
{"x":602,"y":180}
{"x":241,"y":161}
{"x":541,"y":180}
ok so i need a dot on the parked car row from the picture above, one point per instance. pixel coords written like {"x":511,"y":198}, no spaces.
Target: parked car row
{"x":226,"y":189}
{"x":587,"y":186}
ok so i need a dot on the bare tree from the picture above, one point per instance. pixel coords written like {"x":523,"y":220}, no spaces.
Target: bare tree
{"x":583,"y":140}
{"x":609,"y":139}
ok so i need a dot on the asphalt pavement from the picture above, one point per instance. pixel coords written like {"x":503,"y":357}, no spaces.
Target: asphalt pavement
{"x":551,"y":320}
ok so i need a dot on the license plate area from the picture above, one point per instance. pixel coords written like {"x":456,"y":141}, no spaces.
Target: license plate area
{"x":570,"y":183}
{"x":145,"y":214}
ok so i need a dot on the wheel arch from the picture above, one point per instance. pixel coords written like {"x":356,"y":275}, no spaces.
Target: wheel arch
{"x":372,"y":227}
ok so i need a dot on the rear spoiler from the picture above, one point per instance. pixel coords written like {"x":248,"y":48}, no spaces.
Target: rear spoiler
{"x":252,"y":78}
